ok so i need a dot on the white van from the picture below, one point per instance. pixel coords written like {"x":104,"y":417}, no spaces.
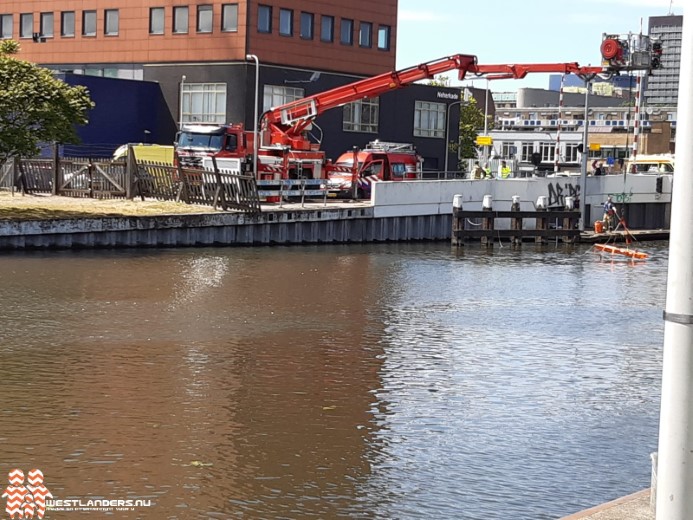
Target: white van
{"x":651,"y":164}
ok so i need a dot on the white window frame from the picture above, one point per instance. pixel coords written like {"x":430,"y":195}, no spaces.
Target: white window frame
{"x":571,"y":152}
{"x":429,"y":119}
{"x":277,"y":95}
{"x":307,"y":26}
{"x":547,"y":151}
{"x":205,"y":19}
{"x":181,"y":19}
{"x":89,"y":23}
{"x":26,"y":25}
{"x":229,"y":18}
{"x":47,"y":25}
{"x":203,"y":103}
{"x":286,"y":22}
{"x":157,"y":20}
{"x":361,"y":116}
{"x":527,"y":151}
{"x":111,"y":22}
{"x":346,"y":31}
{"x":384,"y":37}
{"x":365,"y":34}
{"x":327,"y":22}
{"x":508,"y":150}
{"x":6,"y":26}
{"x":67,"y":24}
{"x":264,"y":18}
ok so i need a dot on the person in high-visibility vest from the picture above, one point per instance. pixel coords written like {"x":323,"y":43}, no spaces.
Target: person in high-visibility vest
{"x":504,"y":170}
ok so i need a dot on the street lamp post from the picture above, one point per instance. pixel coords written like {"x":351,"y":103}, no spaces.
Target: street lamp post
{"x":447,"y":134}
{"x":182,"y":83}
{"x":254,"y":58}
{"x":486,"y":123}
{"x":583,"y":165}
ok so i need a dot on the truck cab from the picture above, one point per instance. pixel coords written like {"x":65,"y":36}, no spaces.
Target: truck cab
{"x":379,"y":161}
{"x":195,"y":142}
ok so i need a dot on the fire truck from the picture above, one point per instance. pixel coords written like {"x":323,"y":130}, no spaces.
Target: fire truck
{"x":288,"y":148}
{"x":378,"y":161}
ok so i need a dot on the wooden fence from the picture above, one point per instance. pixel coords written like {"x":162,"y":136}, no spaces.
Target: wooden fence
{"x":84,"y":178}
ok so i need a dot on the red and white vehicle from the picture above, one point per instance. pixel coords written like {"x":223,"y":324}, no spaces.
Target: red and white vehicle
{"x":379,"y":161}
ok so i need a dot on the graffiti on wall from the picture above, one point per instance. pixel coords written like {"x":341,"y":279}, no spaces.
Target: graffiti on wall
{"x":622,"y":198}
{"x":558,"y":192}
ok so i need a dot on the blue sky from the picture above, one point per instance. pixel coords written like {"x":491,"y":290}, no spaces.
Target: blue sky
{"x":518,"y":31}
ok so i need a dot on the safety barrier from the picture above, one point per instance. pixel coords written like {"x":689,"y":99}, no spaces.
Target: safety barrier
{"x":283,"y":188}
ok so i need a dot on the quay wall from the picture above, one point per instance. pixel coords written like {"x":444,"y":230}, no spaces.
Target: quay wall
{"x":636,"y":192}
{"x":398,"y":211}
{"x":285,"y":226}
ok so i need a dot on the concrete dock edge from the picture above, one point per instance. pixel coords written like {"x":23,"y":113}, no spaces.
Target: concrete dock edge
{"x":630,"y":507}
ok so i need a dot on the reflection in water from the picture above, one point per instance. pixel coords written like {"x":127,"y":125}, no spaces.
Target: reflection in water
{"x":392,"y":381}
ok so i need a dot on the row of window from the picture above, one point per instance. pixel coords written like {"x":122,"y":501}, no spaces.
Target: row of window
{"x":67,"y":24}
{"x":181,"y":22}
{"x":307,"y":30}
{"x":204,"y":23}
{"x":206,"y":103}
{"x":547,"y":150}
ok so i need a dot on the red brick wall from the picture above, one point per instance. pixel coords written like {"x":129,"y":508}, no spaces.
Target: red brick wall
{"x":134,"y":44}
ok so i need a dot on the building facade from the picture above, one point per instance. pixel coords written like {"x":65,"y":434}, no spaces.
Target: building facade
{"x":531,"y":123}
{"x":662,"y":86}
{"x":203,"y":55}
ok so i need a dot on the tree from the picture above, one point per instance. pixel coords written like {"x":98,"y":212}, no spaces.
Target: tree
{"x":471,"y":122}
{"x":35,"y":106}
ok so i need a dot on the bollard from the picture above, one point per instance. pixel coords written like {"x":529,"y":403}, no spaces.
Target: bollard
{"x":515,"y":206}
{"x":542,"y":222}
{"x":487,"y":223}
{"x":569,"y":222}
{"x":457,"y":221}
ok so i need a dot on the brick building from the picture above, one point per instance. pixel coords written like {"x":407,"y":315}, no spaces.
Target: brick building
{"x":197,"y":52}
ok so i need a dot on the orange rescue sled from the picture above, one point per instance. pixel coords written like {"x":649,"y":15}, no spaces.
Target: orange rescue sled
{"x":621,"y":251}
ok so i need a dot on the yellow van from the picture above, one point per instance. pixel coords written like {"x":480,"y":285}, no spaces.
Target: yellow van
{"x":651,"y":164}
{"x":146,"y":152}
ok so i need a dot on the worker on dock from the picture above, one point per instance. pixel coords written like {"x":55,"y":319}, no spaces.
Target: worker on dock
{"x":478,"y":172}
{"x":504,"y":170}
{"x":610,"y":214}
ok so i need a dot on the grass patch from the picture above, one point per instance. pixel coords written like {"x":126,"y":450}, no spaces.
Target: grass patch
{"x":47,"y":207}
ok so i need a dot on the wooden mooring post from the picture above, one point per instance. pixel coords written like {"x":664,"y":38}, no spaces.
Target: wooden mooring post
{"x":549,"y":223}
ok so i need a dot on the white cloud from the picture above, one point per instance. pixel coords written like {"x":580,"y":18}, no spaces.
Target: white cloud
{"x":420,"y":16}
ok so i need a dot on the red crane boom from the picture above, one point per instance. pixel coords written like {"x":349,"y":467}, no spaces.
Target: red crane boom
{"x":287,"y":123}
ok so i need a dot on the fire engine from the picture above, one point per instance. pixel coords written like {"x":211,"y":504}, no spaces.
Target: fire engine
{"x":288,"y":148}
{"x":378,"y":161}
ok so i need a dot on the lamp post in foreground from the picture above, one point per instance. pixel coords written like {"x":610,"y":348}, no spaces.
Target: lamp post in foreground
{"x":675,"y":460}
{"x":252,"y":57}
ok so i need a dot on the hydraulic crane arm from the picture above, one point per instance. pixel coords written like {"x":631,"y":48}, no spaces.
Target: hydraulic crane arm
{"x":287,"y":122}
{"x":519,"y":71}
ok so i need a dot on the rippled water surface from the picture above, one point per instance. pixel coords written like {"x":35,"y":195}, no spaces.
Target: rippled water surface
{"x":387,"y":381}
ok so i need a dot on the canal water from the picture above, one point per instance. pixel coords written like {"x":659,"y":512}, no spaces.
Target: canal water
{"x":392,"y":381}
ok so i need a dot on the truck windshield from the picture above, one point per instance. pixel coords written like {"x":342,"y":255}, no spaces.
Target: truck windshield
{"x":207,"y":141}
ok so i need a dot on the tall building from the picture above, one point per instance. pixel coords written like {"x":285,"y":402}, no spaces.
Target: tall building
{"x":198,"y":52}
{"x":663,"y":85}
